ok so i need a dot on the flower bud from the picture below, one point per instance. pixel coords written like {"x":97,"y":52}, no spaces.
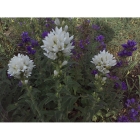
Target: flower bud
{"x":64,"y":63}
{"x":63,"y":22}
{"x":66,"y":28}
{"x":57,"y":22}
{"x":55,"y":73}
{"x":26,"y":81}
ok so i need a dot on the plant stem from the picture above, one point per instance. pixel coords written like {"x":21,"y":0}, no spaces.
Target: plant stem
{"x":33,"y":102}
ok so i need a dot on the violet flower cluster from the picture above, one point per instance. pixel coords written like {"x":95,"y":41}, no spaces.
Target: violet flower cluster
{"x":83,"y":43}
{"x":133,"y":109}
{"x":122,"y":86}
{"x":95,"y":27}
{"x":128,"y":48}
{"x":28,"y":43}
{"x":50,"y":24}
{"x":100,"y":39}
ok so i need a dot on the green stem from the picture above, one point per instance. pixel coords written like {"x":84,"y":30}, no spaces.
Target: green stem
{"x":33,"y":102}
{"x":58,"y":95}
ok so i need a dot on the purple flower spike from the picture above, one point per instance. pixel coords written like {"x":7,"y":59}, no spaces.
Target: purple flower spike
{"x":95,"y":27}
{"x":81,"y":44}
{"x":44,"y":34}
{"x":132,"y":100}
{"x":30,"y":50}
{"x":100,"y":38}
{"x":123,"y":119}
{"x":131,"y":43}
{"x":116,"y":85}
{"x":128,"y":48}
{"x":34,"y":43}
{"x":124,"y":86}
{"x":25,"y":37}
{"x":119,"y":64}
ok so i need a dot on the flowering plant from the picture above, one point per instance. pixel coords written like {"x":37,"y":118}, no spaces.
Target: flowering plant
{"x":62,"y":70}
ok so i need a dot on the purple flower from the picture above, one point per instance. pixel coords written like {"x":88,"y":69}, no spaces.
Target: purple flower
{"x":133,"y":113}
{"x":131,"y":43}
{"x":30,"y":50}
{"x":34,"y":43}
{"x":138,"y":107}
{"x":9,"y":76}
{"x":73,"y":42}
{"x":100,"y":38}
{"x":44,"y":34}
{"x":132,"y":100}
{"x":128,"y":48}
{"x":119,"y":63}
{"x":87,"y":41}
{"x":20,"y":44}
{"x":73,"y":51}
{"x":88,"y":20}
{"x":81,"y":44}
{"x":124,"y":86}
{"x":25,"y":37}
{"x":95,"y":27}
{"x":94,"y":72}
{"x":103,"y":45}
{"x":116,"y":85}
{"x":20,"y":84}
{"x":123,"y":119}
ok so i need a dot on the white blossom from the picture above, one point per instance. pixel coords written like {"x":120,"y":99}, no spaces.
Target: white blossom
{"x":57,"y":40}
{"x":55,"y":73}
{"x":104,"y":61}
{"x":64,"y":63}
{"x":57,"y":22}
{"x":65,"y":28}
{"x":20,"y":65}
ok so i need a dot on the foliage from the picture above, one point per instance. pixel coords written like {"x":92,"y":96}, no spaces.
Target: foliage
{"x":76,"y":94}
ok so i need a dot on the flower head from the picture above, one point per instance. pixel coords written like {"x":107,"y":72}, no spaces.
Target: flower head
{"x":44,"y":34}
{"x":104,"y":61}
{"x":34,"y":43}
{"x":100,"y":38}
{"x":25,"y":37}
{"x":123,"y":119}
{"x":57,"y":42}
{"x":124,"y":86}
{"x":128,"y":48}
{"x":20,"y":64}
{"x":95,"y":27}
{"x":30,"y":50}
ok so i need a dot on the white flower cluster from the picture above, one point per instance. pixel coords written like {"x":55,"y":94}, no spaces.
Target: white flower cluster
{"x":20,"y":64}
{"x":58,"y":40}
{"x":104,"y":61}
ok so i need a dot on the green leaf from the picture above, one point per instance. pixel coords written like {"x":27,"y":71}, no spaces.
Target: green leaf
{"x":11,"y":107}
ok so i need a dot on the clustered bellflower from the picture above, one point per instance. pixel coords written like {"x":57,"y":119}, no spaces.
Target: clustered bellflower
{"x":104,"y":61}
{"x":20,"y":65}
{"x":128,"y":48}
{"x":57,"y":43}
